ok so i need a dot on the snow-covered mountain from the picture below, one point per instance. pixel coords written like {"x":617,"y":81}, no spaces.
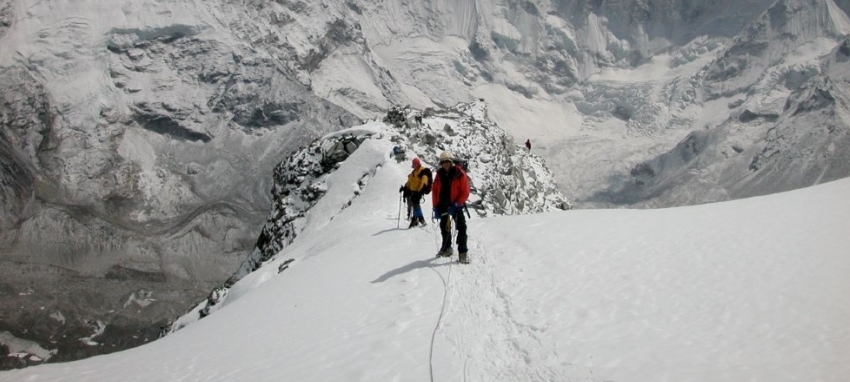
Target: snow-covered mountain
{"x":137,"y":138}
{"x":748,"y":290}
{"x":783,"y":121}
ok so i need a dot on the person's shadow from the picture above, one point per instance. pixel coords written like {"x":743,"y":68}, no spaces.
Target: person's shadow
{"x":390,"y":230}
{"x":407,"y":268}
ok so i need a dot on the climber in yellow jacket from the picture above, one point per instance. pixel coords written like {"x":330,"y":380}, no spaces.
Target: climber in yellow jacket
{"x":418,"y":183}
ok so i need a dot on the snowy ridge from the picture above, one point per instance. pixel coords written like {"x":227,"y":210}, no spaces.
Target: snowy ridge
{"x":505,"y":180}
{"x":752,"y":289}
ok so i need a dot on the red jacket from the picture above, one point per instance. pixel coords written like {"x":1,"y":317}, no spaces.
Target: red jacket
{"x":459,"y":185}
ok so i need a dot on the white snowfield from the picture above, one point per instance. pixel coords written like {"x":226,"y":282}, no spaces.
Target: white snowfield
{"x":749,"y":290}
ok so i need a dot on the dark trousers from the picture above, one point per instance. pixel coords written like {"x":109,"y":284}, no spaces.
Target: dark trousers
{"x":446,"y":231}
{"x":414,"y":205}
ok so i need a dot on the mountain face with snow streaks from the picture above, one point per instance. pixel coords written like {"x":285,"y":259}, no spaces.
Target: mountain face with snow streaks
{"x":785,"y":123}
{"x":136,"y":139}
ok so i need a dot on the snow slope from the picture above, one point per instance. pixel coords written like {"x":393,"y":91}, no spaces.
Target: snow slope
{"x":752,"y":289}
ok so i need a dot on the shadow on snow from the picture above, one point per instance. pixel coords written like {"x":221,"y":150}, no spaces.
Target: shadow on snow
{"x":409,"y":267}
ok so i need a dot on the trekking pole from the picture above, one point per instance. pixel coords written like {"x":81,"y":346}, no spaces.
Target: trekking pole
{"x":398,"y":220}
{"x":449,"y":227}
{"x":454,"y":231}
{"x":437,"y":236}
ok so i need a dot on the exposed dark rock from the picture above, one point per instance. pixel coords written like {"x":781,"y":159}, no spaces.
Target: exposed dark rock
{"x":166,"y":125}
{"x":338,"y":33}
{"x":217,"y":296}
{"x":525,"y":91}
{"x":555,"y":74}
{"x":622,"y":112}
{"x":504,"y":42}
{"x":778,"y":15}
{"x":727,"y":68}
{"x":596,"y":5}
{"x":6,"y":290}
{"x":691,"y":146}
{"x":270,"y":114}
{"x":16,"y":186}
{"x":530,"y":8}
{"x":351,"y":4}
{"x":25,"y":127}
{"x":478,"y":51}
{"x":121,"y":40}
{"x":295,"y":6}
{"x":754,"y":164}
{"x":642,"y":170}
{"x":817,"y":98}
{"x":395,"y":116}
{"x":844,"y":49}
{"x":7,"y":15}
{"x":748,"y":116}
{"x":285,"y":265}
{"x":735,"y":104}
{"x":486,"y":76}
{"x":117,"y":272}
{"x":280,"y":20}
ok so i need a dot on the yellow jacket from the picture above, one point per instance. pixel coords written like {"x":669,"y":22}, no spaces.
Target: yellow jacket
{"x":416,"y":180}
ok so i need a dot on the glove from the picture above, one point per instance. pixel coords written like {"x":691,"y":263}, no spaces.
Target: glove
{"x":436,"y":214}
{"x":454,"y":208}
{"x":401,"y":189}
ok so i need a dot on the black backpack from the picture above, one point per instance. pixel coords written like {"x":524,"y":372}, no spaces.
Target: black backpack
{"x":463,"y":163}
{"x":427,"y":172}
